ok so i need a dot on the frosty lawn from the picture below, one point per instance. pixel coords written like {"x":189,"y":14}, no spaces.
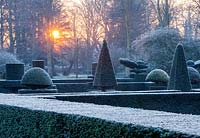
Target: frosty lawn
{"x":184,"y":123}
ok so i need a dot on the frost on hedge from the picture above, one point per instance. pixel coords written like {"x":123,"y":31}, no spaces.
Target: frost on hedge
{"x":104,"y":76}
{"x":6,"y":58}
{"x":36,"y":78}
{"x":158,"y":76}
{"x":194,"y":75}
{"x":179,"y":77}
{"x":21,"y":122}
{"x":157,"y":47}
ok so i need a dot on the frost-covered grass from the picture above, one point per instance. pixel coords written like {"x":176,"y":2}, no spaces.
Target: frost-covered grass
{"x":184,"y":123}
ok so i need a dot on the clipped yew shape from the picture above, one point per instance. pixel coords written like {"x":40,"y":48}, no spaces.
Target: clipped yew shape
{"x":179,"y":78}
{"x":104,"y":76}
{"x":157,"y":76}
{"x":36,"y":78}
{"x":194,"y":75}
{"x":14,"y":71}
{"x":38,"y":63}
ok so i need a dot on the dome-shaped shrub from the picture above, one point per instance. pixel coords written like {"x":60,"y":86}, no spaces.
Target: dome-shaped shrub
{"x":190,"y":63}
{"x":194,"y":75}
{"x":158,"y":76}
{"x":36,"y":78}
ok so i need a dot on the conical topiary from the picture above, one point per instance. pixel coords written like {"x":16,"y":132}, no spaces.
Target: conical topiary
{"x":179,"y":78}
{"x":104,"y":76}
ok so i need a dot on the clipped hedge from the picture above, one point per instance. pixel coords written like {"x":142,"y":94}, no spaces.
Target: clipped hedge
{"x":20,"y":122}
{"x":72,"y":87}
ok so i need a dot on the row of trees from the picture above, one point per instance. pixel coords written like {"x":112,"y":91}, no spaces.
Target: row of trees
{"x":157,"y":46}
{"x":119,"y":22}
{"x":26,"y":27}
{"x":123,"y":21}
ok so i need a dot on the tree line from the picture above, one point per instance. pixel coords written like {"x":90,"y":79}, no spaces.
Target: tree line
{"x":25,"y":27}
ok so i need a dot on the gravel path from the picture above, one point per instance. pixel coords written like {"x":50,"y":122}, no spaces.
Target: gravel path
{"x":184,"y":123}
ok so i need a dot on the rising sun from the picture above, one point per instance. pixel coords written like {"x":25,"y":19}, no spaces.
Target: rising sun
{"x":56,"y":34}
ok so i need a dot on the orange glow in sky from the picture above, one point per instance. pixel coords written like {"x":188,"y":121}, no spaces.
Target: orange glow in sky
{"x":56,"y":34}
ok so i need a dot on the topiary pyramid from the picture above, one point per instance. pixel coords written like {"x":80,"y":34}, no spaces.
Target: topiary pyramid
{"x":104,"y":76}
{"x":179,"y":78}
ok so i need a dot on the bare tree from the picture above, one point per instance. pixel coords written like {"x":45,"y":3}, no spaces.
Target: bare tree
{"x":188,"y":29}
{"x":196,"y":9}
{"x":2,"y":26}
{"x":164,"y":11}
{"x":91,"y":23}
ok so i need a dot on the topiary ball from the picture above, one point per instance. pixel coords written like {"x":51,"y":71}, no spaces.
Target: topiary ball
{"x":36,"y":78}
{"x":194,"y":75}
{"x":158,"y":76}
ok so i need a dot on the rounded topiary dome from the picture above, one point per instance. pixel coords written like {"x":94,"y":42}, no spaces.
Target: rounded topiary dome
{"x":194,"y":75}
{"x":158,"y":76}
{"x":36,"y":78}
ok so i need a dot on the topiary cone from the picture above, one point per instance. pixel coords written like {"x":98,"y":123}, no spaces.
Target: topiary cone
{"x":104,"y":76}
{"x":179,"y":78}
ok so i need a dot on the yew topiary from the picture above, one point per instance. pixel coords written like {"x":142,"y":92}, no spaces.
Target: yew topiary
{"x":179,"y":77}
{"x":190,"y":63}
{"x":128,"y":63}
{"x":194,"y":75}
{"x":104,"y":76}
{"x":158,"y":76}
{"x":197,"y":65}
{"x":38,"y":63}
{"x":6,"y":58}
{"x":14,"y":71}
{"x":36,"y":78}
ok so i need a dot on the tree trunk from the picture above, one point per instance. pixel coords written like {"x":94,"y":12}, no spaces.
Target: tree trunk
{"x":11,"y":48}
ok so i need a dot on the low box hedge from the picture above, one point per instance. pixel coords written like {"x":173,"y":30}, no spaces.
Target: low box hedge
{"x":22,"y":123}
{"x":133,"y":86}
{"x":72,"y":87}
{"x":176,"y":102}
